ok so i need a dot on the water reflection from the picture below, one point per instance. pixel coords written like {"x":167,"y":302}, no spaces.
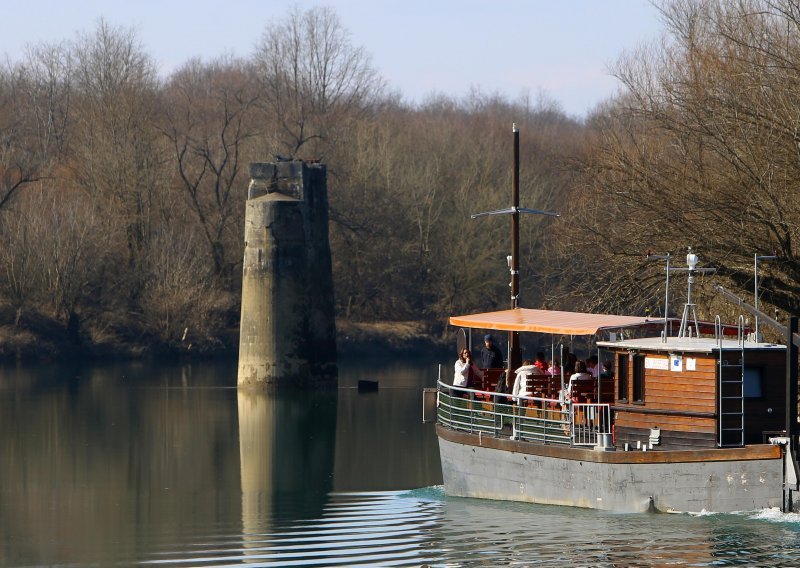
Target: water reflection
{"x":286,"y":449}
{"x":381,"y":442}
{"x":135,"y":464}
{"x":93,"y":470}
{"x":116,"y":462}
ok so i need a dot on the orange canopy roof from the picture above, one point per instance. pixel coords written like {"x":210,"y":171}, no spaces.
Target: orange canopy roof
{"x":547,"y":321}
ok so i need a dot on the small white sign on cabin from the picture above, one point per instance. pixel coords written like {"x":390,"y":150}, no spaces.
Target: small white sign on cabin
{"x":676,"y":363}
{"x":691,"y":364}
{"x":656,"y":363}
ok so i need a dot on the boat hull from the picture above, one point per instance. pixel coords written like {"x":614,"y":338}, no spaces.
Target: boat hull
{"x":720,"y":480}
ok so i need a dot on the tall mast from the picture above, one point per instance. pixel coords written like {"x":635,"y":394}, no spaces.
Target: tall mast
{"x":513,"y":336}
{"x":513,"y":260}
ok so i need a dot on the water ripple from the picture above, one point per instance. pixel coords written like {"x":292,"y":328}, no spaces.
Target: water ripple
{"x":425,"y":528}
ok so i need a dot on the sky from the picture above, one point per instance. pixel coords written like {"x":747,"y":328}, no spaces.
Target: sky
{"x":562,"y":48}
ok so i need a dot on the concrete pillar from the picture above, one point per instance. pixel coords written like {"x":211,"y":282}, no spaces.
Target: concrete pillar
{"x":287,"y":334}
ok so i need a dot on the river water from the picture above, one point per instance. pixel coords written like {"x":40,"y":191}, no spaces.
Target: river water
{"x":169,"y":465}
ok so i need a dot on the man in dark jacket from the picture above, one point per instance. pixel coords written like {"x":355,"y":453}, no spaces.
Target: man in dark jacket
{"x":491,"y":356}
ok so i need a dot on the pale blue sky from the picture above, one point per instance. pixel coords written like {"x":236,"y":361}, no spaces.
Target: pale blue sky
{"x":563,"y":47}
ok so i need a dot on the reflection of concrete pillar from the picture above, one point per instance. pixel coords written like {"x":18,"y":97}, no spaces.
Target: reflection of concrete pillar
{"x":256,"y":453}
{"x":286,"y":448}
{"x":287,"y":333}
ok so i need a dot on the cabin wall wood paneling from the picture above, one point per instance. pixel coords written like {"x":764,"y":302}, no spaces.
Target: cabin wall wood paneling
{"x":687,"y":391}
{"x":695,"y":392}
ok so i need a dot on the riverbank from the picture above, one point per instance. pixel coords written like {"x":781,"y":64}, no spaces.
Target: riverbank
{"x":392,"y":338}
{"x":39,"y":338}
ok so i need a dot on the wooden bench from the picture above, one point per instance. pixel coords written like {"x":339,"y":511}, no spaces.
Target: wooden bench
{"x":488,"y":382}
{"x":539,"y":386}
{"x":583,"y":390}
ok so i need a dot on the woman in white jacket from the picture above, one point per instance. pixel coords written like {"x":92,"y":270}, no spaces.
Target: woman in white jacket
{"x":466,"y":371}
{"x":522,"y":387}
{"x":522,"y":384}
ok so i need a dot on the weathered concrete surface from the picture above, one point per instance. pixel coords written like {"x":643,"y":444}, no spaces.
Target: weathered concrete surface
{"x":287,"y":334}
{"x":721,"y":486}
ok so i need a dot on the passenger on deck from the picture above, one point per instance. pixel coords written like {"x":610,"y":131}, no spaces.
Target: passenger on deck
{"x":466,"y":371}
{"x":569,"y":360}
{"x":522,"y":386}
{"x":580,"y":373}
{"x":608,"y":370}
{"x":491,"y":356}
{"x":541,"y":362}
{"x":503,"y":385}
{"x":591,"y":366}
{"x":569,"y":365}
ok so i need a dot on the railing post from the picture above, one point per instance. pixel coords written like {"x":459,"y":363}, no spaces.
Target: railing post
{"x":571,"y":424}
{"x":471,"y":400}
{"x":791,"y":379}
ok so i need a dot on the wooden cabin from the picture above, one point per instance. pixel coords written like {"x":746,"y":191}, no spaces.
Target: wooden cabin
{"x":690,"y":393}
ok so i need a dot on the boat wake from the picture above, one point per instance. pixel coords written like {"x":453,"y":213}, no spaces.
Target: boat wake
{"x":704,"y":513}
{"x":775,"y":515}
{"x":432,"y":493}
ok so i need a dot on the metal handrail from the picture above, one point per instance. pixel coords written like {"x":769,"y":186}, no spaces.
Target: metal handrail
{"x":740,"y":330}
{"x":588,"y":421}
{"x":534,"y":419}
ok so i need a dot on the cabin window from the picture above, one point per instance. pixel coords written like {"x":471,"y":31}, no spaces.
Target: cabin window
{"x":752,"y":383}
{"x":638,"y":378}
{"x":622,"y":377}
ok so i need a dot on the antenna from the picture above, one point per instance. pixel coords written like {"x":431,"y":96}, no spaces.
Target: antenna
{"x":690,"y":309}
{"x":667,"y":257}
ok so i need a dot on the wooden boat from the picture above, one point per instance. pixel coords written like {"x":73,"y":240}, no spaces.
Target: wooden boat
{"x":696,"y":422}
{"x":692,"y":424}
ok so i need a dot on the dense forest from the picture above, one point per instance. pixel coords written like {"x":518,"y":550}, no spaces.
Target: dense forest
{"x":122,"y":192}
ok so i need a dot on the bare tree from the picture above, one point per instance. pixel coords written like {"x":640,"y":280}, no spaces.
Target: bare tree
{"x":208,"y":120}
{"x":314,"y":80}
{"x":702,"y":151}
{"x":182,"y":303}
{"x":34,"y":102}
{"x":20,"y":262}
{"x":116,"y":156}
{"x":52,"y":257}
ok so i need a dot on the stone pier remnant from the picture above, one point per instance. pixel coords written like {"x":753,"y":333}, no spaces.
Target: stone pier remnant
{"x":287,"y":335}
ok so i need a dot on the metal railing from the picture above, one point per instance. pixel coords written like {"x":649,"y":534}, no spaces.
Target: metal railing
{"x":532,"y":419}
{"x":588,"y":422}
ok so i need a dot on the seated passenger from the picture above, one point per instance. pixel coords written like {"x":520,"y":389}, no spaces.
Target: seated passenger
{"x":466,"y":371}
{"x":591,"y":366}
{"x":580,"y":373}
{"x":541,"y":362}
{"x":569,"y":365}
{"x":608,"y":370}
{"x":503,"y":385}
{"x":522,"y":386}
